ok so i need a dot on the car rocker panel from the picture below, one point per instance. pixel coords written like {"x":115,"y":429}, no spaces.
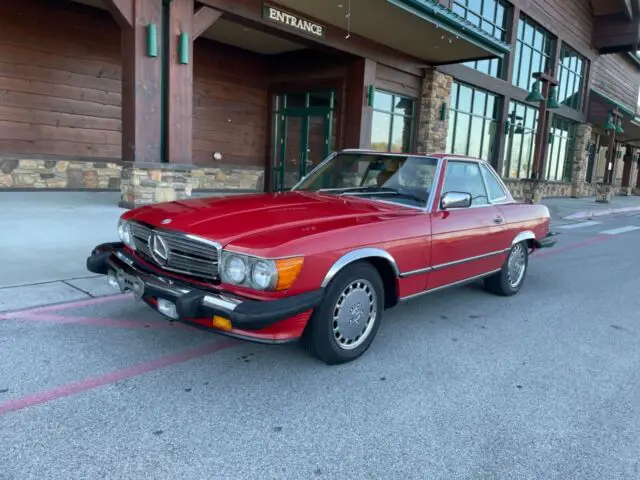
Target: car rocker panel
{"x":321,"y":263}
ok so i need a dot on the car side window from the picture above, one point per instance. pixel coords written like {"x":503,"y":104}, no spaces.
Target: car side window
{"x":465,"y":177}
{"x":496,"y":192}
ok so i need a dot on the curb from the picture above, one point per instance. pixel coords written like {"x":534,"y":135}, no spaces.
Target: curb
{"x":600,"y":213}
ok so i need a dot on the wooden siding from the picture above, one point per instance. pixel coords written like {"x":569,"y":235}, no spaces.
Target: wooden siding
{"x":395,"y":81}
{"x":617,"y":76}
{"x":59,"y":81}
{"x":230,"y":109}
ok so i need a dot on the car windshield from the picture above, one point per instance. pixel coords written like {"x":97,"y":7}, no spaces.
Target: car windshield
{"x":405,"y":179}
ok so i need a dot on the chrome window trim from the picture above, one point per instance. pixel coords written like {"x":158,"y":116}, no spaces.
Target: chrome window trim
{"x":444,"y":178}
{"x":355,"y":255}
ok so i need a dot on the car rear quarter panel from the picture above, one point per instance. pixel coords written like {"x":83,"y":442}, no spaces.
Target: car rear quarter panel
{"x":521,"y":217}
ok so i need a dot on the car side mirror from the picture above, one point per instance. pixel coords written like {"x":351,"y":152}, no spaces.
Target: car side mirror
{"x":455,"y":200}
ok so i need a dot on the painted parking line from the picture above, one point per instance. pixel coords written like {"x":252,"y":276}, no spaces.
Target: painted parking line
{"x":617,"y":231}
{"x":102,"y":380}
{"x":571,"y":226}
{"x":65,"y":305}
{"x":97,"y":321}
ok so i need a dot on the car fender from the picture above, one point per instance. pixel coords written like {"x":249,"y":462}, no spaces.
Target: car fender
{"x":356,"y":255}
{"x":522,"y":236}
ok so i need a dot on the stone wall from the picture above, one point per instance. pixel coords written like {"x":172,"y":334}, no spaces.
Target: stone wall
{"x":580,"y":159}
{"x":53,"y":174}
{"x":432,"y":132}
{"x":547,"y":189}
{"x":147,"y":183}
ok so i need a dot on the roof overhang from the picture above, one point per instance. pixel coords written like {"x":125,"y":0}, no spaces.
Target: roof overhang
{"x":600,"y":105}
{"x":616,"y":26}
{"x":423,"y":29}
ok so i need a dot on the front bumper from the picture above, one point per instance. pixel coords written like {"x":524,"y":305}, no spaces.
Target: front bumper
{"x":191,"y":302}
{"x":547,"y":241}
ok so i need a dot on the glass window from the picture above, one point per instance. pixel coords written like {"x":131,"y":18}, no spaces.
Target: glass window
{"x":496,"y":192}
{"x":571,"y":72}
{"x":405,"y":179}
{"x":392,"y":123}
{"x":521,"y":128}
{"x":490,"y":16}
{"x":465,"y":177}
{"x":534,"y":50}
{"x":473,"y":121}
{"x":560,"y":150}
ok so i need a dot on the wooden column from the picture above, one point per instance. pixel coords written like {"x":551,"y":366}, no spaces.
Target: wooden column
{"x":357,"y":129}
{"x":185,"y":26}
{"x":141,"y":78}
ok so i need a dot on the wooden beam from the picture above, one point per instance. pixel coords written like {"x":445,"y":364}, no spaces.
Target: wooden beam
{"x":122,"y":11}
{"x":141,"y":86}
{"x":203,"y":19}
{"x":358,"y":122}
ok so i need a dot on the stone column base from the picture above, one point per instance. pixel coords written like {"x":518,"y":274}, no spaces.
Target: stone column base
{"x":625,"y":191}
{"x":604,"y":193}
{"x":143,"y":184}
{"x":147,"y":183}
{"x":636,"y":191}
{"x":532,"y":191}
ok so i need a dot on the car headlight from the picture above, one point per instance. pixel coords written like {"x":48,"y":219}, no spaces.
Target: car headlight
{"x":259,"y":273}
{"x":124,"y":232}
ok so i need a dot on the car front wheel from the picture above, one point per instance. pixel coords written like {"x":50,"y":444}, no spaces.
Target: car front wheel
{"x":510,"y":278}
{"x":346,"y":323}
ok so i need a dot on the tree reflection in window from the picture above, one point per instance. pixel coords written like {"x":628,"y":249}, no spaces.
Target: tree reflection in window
{"x":392,"y":124}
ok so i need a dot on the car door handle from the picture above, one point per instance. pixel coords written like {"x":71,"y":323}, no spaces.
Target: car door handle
{"x":498,"y":220}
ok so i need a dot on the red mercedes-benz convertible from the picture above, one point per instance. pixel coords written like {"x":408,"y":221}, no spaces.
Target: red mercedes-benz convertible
{"x":322,"y":262}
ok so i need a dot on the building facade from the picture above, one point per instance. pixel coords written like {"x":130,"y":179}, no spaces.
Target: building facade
{"x":158,"y":98}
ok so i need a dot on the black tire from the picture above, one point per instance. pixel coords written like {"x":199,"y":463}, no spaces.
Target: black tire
{"x":320,"y":337}
{"x":499,"y":283}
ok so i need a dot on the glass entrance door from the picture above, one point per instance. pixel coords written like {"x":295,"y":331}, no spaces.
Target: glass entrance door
{"x":302,"y":135}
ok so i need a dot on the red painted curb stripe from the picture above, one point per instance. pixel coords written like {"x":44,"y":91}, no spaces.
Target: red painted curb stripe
{"x":63,"y":306}
{"x":95,"y":382}
{"x":100,"y":321}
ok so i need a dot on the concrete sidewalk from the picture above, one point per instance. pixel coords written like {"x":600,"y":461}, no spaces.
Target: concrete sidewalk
{"x":577,"y":209}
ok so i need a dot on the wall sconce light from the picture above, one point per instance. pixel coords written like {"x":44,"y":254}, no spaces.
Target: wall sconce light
{"x":217,"y":156}
{"x":152,"y":40}
{"x":443,"y":111}
{"x":371,"y":91}
{"x":184,"y":48}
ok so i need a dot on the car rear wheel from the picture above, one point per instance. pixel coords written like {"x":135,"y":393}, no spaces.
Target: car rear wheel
{"x":346,"y":323}
{"x":508,"y":281}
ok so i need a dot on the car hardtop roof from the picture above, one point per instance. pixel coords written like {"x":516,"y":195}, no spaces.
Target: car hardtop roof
{"x":439,"y":155}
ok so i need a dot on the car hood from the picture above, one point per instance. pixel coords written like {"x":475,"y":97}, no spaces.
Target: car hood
{"x":228,"y":219}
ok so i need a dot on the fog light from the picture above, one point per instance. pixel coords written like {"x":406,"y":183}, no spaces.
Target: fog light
{"x":113,"y":281}
{"x":221,"y":323}
{"x":167,"y":308}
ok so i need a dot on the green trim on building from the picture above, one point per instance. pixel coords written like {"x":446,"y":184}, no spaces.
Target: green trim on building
{"x":623,"y":108}
{"x":433,"y":12}
{"x":635,"y":57}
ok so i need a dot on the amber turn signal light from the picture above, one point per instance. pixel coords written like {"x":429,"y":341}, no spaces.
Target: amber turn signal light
{"x":221,"y":323}
{"x":288,"y":270}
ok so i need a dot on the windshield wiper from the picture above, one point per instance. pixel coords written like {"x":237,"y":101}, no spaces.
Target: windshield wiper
{"x":398,"y":191}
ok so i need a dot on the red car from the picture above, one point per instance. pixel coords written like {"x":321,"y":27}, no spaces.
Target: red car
{"x":360,"y":233}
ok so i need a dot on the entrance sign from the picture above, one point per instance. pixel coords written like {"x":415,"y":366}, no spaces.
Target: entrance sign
{"x":278,"y":16}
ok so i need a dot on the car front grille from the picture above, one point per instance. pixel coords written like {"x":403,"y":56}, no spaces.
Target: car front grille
{"x":185,"y":255}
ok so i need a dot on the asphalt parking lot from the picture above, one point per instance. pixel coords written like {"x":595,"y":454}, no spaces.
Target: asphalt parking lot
{"x":460,"y":384}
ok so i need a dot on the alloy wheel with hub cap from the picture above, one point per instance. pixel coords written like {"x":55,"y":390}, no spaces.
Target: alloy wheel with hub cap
{"x":508,"y":281}
{"x":346,"y":323}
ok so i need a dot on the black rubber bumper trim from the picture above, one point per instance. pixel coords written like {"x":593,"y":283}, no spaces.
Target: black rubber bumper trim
{"x":547,"y":241}
{"x":98,"y":261}
{"x":247,"y":315}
